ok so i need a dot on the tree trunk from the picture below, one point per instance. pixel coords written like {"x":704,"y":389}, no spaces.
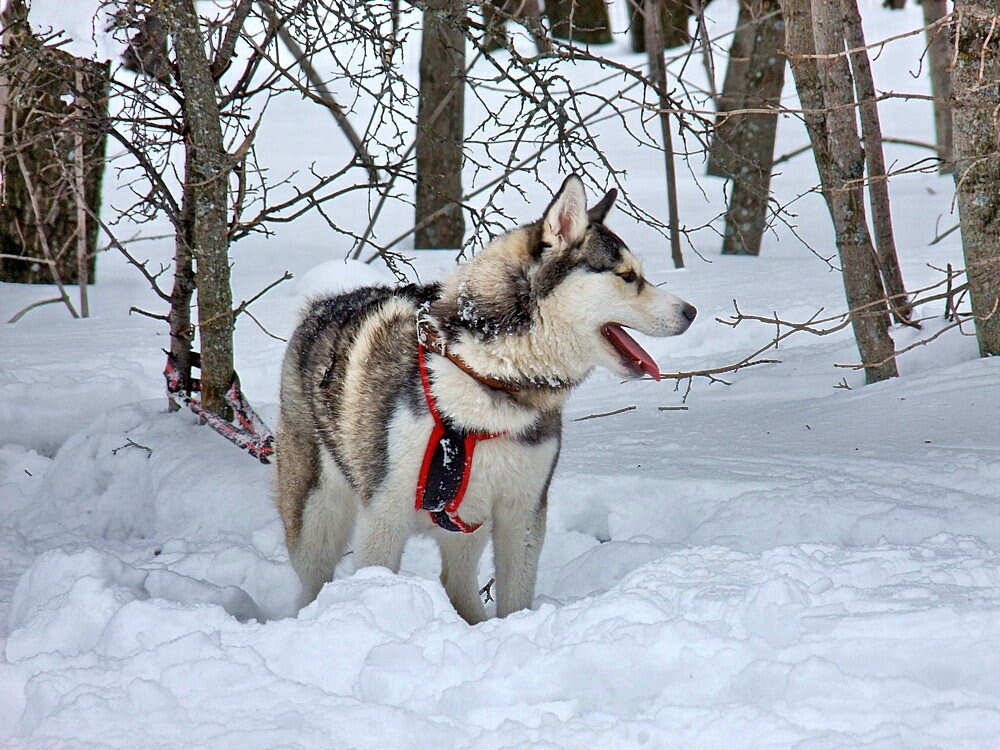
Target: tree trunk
{"x":146,"y":54}
{"x":878,"y":182}
{"x":179,"y":317}
{"x":674,"y":15}
{"x":837,"y":148}
{"x":939,"y":53}
{"x":440,"y":126}
{"x":206,"y":188}
{"x":496,"y":13}
{"x":975,"y":108}
{"x":584,"y":21}
{"x":733,"y":90}
{"x":494,"y":18}
{"x":658,"y":75}
{"x":45,"y":133}
{"x":753,"y":144}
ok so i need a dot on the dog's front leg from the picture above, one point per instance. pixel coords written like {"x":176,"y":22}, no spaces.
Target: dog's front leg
{"x":460,"y":555}
{"x":384,"y":525}
{"x":518,"y":533}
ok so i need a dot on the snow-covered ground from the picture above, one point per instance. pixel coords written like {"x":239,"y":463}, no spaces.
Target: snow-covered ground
{"x":785,"y":563}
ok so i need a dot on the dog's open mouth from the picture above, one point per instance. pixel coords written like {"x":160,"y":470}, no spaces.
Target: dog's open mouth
{"x":633,"y":356}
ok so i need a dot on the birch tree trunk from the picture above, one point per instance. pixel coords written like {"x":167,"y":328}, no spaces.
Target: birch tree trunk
{"x":440,"y":127}
{"x":840,"y":163}
{"x":753,"y":144}
{"x":733,"y":89}
{"x":878,"y":182}
{"x":939,"y":51}
{"x":206,"y":191}
{"x":584,"y":21}
{"x":976,"y":113}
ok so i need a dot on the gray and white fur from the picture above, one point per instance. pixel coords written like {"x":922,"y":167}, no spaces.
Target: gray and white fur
{"x":527,"y":310}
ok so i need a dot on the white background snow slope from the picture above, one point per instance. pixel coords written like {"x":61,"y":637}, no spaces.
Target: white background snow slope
{"x":785,"y":564}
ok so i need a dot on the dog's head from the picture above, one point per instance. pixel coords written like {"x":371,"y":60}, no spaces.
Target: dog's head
{"x":553,"y":298}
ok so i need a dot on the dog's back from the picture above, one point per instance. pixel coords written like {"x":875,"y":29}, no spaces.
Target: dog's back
{"x":342,"y":373}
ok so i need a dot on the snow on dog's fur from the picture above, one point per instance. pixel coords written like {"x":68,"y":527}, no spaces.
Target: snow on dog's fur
{"x":528,"y":318}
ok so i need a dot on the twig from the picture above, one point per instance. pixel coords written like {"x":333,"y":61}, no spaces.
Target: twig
{"x":941,"y":236}
{"x":79,"y":175}
{"x":113,"y":242}
{"x":154,"y":316}
{"x":42,"y":236}
{"x":262,"y":328}
{"x":672,"y":408}
{"x":606,"y":413}
{"x":881,"y":42}
{"x":32,"y":306}
{"x":26,"y":258}
{"x":242,"y":307}
{"x":322,"y":95}
{"x":130,"y":443}
{"x":485,"y":591}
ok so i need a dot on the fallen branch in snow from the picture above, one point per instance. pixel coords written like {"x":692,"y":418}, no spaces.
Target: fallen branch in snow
{"x":130,"y":443}
{"x":485,"y":591}
{"x":24,"y":311}
{"x":606,"y":413}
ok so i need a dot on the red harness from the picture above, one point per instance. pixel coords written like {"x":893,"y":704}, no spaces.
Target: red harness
{"x":444,"y":510}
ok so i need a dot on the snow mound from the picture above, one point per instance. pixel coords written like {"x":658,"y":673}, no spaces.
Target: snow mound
{"x":335,"y":276}
{"x":883,"y":635}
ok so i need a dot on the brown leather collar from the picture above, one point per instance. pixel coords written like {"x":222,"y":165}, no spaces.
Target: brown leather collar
{"x":429,"y":337}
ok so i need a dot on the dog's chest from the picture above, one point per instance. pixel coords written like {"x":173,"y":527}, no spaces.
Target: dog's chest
{"x":491,"y":470}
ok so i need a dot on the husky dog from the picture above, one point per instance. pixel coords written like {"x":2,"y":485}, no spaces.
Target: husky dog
{"x":388,"y":393}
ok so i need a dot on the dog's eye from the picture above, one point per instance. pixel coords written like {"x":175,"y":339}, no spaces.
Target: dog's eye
{"x":628,"y":276}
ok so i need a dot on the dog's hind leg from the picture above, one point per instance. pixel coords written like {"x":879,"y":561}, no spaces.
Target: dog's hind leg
{"x":327,"y":524}
{"x":460,"y":555}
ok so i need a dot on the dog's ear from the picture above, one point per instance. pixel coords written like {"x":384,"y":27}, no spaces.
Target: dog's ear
{"x":597,"y":213}
{"x":565,"y":219}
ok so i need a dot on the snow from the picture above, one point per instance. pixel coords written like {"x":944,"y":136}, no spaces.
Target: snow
{"x":784,"y":564}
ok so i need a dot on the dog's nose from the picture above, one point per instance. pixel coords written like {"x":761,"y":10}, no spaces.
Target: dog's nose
{"x":690,"y":312}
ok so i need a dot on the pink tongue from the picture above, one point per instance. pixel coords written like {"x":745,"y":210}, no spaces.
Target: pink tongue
{"x":629,"y":348}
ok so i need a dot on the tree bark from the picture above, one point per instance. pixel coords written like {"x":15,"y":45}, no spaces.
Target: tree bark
{"x":733,"y":90}
{"x":206,"y":190}
{"x":840,"y":163}
{"x":584,"y":21}
{"x":975,"y":108}
{"x":496,"y":13}
{"x":878,"y":182}
{"x":440,"y":126}
{"x":146,"y":54}
{"x":179,"y":317}
{"x":939,"y":51}
{"x":674,"y":15}
{"x":46,"y":133}
{"x":658,"y":75}
{"x":753,"y":144}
